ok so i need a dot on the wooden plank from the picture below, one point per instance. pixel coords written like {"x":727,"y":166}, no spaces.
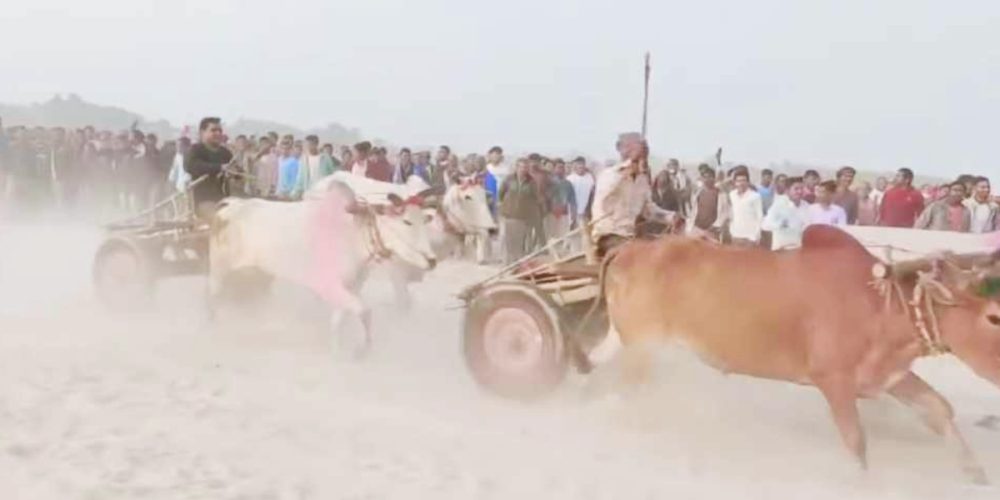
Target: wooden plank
{"x":581,"y":294}
{"x":577,"y":269}
{"x":565,"y":284}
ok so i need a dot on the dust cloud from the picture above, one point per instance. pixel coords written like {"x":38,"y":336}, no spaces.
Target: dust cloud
{"x":164,"y":405}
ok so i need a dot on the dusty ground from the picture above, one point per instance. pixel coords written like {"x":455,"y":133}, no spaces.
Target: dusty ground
{"x":163,"y":406}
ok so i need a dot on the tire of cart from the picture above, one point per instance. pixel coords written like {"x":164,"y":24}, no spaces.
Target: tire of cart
{"x":122,"y":276}
{"x":513,"y":341}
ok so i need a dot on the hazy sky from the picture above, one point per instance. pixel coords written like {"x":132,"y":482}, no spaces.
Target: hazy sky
{"x":876,"y":84}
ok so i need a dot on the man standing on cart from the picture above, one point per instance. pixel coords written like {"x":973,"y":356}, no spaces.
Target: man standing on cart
{"x":622,"y":194}
{"x":207,"y":159}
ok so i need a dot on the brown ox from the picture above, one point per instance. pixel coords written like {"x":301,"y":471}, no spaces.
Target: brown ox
{"x":809,"y":316}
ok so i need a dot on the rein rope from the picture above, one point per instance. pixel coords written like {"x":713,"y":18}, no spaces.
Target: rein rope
{"x":928,"y":293}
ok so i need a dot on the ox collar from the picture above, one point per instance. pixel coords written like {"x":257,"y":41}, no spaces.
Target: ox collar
{"x":928,"y":293}
{"x":377,"y":251}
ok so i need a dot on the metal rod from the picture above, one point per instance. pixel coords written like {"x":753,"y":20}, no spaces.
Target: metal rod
{"x":645,"y":97}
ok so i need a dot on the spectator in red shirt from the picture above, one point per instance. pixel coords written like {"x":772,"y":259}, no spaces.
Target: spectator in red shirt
{"x":379,"y":167}
{"x":902,"y":203}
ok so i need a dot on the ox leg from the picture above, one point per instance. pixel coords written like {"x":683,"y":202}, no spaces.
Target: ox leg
{"x":215,"y":290}
{"x":349,"y":302}
{"x":841,"y":395}
{"x":402,"y":293}
{"x":637,"y":367}
{"x":608,"y":348}
{"x":400,"y":277}
{"x":482,"y":247}
{"x":937,"y":413}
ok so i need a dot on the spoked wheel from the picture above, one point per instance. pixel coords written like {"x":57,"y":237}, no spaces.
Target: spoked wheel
{"x":513,"y":342}
{"x":122,"y":277}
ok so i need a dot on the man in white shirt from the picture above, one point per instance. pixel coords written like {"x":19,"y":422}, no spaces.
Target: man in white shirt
{"x":824,"y":211}
{"x":623,"y":193}
{"x":310,"y":166}
{"x":747,"y":211}
{"x":359,"y":165}
{"x":787,"y":217}
{"x":583,"y":183}
{"x":982,"y":210}
{"x":881,"y":184}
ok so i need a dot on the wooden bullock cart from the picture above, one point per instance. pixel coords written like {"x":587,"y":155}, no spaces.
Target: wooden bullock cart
{"x":525,"y":327}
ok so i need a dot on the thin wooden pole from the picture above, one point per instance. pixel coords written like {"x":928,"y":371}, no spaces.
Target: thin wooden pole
{"x":645,"y":97}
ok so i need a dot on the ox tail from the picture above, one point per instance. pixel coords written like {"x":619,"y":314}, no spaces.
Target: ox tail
{"x":221,"y":217}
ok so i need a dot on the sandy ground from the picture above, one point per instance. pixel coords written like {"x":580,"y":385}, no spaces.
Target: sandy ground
{"x":165,"y":406}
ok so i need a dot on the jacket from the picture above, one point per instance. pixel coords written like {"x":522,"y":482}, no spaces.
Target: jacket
{"x":935,"y":218}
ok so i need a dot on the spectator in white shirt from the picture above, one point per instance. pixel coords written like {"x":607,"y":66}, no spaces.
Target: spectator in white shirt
{"x":583,"y":184}
{"x":982,"y":210}
{"x":881,"y":184}
{"x":787,"y":217}
{"x":582,"y":181}
{"x":747,"y":211}
{"x":824,"y":211}
{"x":178,"y":177}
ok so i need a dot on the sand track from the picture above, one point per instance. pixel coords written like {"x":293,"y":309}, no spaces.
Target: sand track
{"x":166,"y":406}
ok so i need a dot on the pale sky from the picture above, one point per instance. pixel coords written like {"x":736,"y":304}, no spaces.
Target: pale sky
{"x":876,"y":84}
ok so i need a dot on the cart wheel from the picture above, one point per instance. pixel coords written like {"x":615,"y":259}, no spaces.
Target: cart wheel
{"x":121,"y":277}
{"x":513,"y":343}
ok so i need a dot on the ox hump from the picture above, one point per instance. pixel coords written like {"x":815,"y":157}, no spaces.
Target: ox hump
{"x":821,"y":236}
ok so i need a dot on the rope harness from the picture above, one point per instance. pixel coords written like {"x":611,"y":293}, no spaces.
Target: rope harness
{"x":920,"y":310}
{"x":377,"y":250}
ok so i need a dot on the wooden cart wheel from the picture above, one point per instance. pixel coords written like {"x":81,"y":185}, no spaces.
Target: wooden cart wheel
{"x":513,"y":342}
{"x":122,"y":276}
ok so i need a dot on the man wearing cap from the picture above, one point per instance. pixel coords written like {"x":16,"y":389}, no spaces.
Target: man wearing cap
{"x":622,"y":194}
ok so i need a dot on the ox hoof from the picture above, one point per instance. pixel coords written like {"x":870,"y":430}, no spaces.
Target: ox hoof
{"x":989,"y":422}
{"x":976,"y":475}
{"x":363,"y":351}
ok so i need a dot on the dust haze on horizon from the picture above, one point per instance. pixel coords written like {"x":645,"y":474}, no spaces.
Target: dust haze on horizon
{"x":877,"y":85}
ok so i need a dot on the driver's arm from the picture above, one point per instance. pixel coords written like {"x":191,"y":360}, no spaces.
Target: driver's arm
{"x":653,"y":211}
{"x":199,"y":166}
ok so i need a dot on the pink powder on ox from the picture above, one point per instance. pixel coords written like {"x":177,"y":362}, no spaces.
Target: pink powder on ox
{"x":328,"y":229}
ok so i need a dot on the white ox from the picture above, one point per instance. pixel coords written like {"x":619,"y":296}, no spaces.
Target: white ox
{"x":327,"y":242}
{"x":462,"y":214}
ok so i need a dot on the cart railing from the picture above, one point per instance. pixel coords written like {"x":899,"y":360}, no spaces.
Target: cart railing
{"x":178,"y":207}
{"x":551,"y":248}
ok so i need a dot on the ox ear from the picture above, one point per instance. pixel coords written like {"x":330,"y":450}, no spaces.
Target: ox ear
{"x":431,"y":192}
{"x":955,"y":277}
{"x":431,"y":201}
{"x":990,"y":287}
{"x":395,"y":199}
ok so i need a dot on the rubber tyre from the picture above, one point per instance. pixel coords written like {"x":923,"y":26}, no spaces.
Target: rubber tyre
{"x":512,"y":342}
{"x":122,"y":277}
